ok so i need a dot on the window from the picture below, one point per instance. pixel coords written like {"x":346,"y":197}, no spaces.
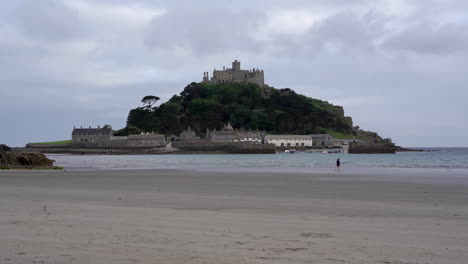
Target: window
{"x":297,"y":144}
{"x":289,"y":144}
{"x":302,"y":144}
{"x":282,"y":144}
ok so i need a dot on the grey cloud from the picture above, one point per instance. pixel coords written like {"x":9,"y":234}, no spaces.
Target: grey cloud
{"x":427,"y":38}
{"x":48,"y":19}
{"x":342,"y":34}
{"x":346,"y":30}
{"x":100,"y":71}
{"x":205,"y":31}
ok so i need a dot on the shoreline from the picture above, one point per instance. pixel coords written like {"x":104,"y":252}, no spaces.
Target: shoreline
{"x":200,"y":164}
{"x":168,"y":216}
{"x":140,"y":151}
{"x":432,"y":176}
{"x":182,"y":152}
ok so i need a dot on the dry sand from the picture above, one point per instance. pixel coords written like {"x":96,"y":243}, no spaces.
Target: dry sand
{"x":192,"y":217}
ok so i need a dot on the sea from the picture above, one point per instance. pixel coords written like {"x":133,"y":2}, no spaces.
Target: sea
{"x":430,"y":160}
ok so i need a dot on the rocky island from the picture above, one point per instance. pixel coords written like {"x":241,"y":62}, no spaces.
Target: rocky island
{"x":14,"y":159}
{"x":232,"y":112}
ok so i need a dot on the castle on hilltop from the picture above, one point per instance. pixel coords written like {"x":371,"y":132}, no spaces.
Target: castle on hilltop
{"x":235,"y":75}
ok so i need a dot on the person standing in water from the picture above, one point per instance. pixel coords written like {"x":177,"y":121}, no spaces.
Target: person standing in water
{"x":338,"y":163}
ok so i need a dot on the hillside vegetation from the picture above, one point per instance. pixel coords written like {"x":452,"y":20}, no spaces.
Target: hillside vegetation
{"x":53,"y":142}
{"x":248,"y":106}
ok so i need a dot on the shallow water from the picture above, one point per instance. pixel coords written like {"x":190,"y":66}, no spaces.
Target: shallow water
{"x":447,"y":159}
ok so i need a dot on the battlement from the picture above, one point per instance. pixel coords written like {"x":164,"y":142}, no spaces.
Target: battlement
{"x":235,"y":75}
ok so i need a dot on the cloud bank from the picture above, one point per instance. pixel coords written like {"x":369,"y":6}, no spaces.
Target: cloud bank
{"x":398,"y":67}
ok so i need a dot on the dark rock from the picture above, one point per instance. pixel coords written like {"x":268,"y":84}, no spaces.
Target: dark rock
{"x":4,"y":147}
{"x":26,"y":159}
{"x":402,"y":149}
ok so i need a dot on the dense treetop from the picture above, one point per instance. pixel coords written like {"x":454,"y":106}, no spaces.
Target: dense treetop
{"x":247,"y":106}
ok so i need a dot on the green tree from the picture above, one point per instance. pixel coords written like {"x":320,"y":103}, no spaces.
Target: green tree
{"x":149,"y":101}
{"x":132,"y":130}
{"x":246,"y":106}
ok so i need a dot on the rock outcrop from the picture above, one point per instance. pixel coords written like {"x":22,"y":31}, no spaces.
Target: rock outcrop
{"x":18,"y":159}
{"x":4,"y":147}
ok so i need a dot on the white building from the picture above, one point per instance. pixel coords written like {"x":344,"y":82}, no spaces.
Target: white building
{"x":289,"y":140}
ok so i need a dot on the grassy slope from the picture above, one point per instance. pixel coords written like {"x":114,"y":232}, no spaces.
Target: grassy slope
{"x":53,"y":142}
{"x":336,"y":134}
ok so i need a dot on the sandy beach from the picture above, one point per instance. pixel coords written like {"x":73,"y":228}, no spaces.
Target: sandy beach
{"x":169,"y":217}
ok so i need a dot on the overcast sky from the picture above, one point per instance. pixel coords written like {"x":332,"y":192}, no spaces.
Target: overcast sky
{"x":399,"y":68}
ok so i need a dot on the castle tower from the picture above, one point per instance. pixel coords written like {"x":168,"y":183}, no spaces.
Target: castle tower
{"x":235,"y":75}
{"x":236,"y":65}
{"x":206,"y":78}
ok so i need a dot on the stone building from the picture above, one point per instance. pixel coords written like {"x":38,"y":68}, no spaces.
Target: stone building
{"x":322,"y":140}
{"x":103,"y":138}
{"x":188,"y":135}
{"x":91,"y":136}
{"x":289,"y":140}
{"x":235,"y":75}
{"x":251,"y":136}
{"x":229,"y":134}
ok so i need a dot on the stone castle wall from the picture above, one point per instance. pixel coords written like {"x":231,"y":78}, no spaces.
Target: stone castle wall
{"x":87,"y":140}
{"x":235,"y":75}
{"x":226,"y":147}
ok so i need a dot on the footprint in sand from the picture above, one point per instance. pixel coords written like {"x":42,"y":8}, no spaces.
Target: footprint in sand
{"x":294,"y":249}
{"x":395,"y":262}
{"x":316,"y":235}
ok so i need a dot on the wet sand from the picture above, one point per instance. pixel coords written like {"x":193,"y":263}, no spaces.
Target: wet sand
{"x":212,"y":217}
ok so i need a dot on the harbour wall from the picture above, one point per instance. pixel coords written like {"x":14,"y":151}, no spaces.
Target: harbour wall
{"x":225,"y":147}
{"x":372,"y":148}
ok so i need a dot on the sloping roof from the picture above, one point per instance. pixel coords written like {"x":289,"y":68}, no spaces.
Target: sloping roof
{"x":250,"y":134}
{"x":187,"y":134}
{"x":91,"y":131}
{"x":228,"y":127}
{"x":219,"y":137}
{"x":288,"y":137}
